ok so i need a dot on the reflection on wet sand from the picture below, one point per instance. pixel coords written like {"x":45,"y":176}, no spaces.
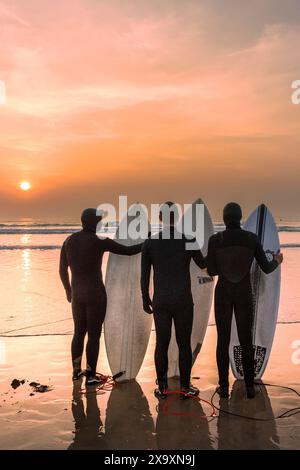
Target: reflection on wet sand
{"x":184,"y":426}
{"x":239,"y":433}
{"x":88,"y":432}
{"x":180,"y":424}
{"x":128,"y":410}
{"x":129,"y":424}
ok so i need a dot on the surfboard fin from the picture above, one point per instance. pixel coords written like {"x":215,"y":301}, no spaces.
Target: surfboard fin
{"x":119,"y":374}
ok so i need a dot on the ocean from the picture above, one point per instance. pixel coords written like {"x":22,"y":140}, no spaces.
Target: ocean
{"x":32,"y":297}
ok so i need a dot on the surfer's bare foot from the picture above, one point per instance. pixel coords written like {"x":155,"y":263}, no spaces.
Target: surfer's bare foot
{"x":189,"y":392}
{"x":160,"y":393}
{"x":250,"y":392}
{"x":223,"y":392}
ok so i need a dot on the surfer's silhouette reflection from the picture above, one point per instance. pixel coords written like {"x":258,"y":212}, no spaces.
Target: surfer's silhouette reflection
{"x":88,"y":432}
{"x":240,"y":433}
{"x":129,"y":424}
{"x":188,"y":432}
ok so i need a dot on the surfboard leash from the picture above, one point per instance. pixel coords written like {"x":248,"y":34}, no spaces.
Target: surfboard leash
{"x":173,"y":393}
{"x":108,"y":382}
{"x":286,"y":414}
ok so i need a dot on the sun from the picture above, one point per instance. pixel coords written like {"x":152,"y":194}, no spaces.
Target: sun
{"x":25,"y":186}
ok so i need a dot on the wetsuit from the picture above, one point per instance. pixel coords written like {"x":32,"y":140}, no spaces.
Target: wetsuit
{"x":83,"y":252}
{"x":172,"y":300}
{"x":230,"y":256}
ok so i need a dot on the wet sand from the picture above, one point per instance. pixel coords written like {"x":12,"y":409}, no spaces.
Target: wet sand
{"x":130,"y":417}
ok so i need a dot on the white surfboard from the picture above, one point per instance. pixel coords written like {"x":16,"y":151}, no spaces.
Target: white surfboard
{"x":266,"y":292}
{"x":202,"y":290}
{"x":127,"y":327}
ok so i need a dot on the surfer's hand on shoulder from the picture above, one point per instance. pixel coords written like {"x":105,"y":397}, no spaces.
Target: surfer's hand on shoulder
{"x":147,"y":305}
{"x":278,"y":257}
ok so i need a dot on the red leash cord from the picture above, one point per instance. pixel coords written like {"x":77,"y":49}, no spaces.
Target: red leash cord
{"x":173,"y":393}
{"x":108,"y":383}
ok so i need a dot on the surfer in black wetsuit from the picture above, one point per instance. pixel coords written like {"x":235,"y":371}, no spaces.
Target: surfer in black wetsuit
{"x":172,"y":300}
{"x":82,"y":252}
{"x":230,"y":255}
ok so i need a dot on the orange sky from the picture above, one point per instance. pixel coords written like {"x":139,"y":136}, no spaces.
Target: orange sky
{"x":154,"y":99}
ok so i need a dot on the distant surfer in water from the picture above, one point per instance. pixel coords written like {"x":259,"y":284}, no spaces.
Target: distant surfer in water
{"x":172,"y":300}
{"x":230,"y":256}
{"x":82,"y":252}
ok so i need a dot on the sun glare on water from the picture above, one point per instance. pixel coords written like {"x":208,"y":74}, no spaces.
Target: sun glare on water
{"x":25,"y":186}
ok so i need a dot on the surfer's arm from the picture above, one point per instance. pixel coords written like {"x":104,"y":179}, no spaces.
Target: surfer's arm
{"x":113,"y":247}
{"x":194,"y":252}
{"x":211,"y":258}
{"x":199,"y":258}
{"x":146,"y":264}
{"x":265,"y":265}
{"x":64,"y":272}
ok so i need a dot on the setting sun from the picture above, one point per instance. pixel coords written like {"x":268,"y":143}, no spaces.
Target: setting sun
{"x":25,"y":186}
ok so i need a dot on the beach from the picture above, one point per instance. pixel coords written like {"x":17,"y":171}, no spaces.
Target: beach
{"x":120,"y":119}
{"x":129,"y":416}
{"x":35,"y":338}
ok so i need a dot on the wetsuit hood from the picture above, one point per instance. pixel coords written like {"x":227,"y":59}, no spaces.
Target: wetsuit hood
{"x":232,"y":215}
{"x":90,"y":219}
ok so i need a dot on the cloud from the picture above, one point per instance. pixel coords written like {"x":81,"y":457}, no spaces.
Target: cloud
{"x":123,"y":90}
{"x":9,"y":16}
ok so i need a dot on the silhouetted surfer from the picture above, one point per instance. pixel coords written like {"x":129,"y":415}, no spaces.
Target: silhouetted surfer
{"x":167,"y":253}
{"x":230,"y":256}
{"x":83,"y":252}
